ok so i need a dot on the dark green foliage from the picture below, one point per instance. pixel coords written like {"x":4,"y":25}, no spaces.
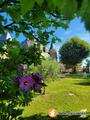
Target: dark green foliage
{"x":74,"y":51}
{"x":43,"y":117}
{"x":16,"y":54}
{"x":34,"y":18}
{"x":32,"y":55}
{"x":13,"y":54}
{"x":85,"y":12}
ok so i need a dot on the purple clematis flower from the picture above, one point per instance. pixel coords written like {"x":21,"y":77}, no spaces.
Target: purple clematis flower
{"x":17,"y":79}
{"x":21,"y":67}
{"x":26,"y":82}
{"x":37,"y":77}
{"x":38,"y":87}
{"x":30,"y":81}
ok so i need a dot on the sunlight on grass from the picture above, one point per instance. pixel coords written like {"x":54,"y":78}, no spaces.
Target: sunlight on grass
{"x":67,"y":94}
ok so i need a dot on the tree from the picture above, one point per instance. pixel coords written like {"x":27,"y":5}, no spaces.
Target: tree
{"x":87,"y":65}
{"x":73,"y":52}
{"x":34,"y":18}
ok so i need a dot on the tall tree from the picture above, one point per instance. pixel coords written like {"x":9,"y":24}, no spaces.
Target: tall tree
{"x":74,"y":51}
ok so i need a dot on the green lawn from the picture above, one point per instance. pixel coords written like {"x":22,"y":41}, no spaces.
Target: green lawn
{"x":65,"y":95}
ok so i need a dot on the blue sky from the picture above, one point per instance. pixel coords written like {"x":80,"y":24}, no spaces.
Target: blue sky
{"x":76,"y":29}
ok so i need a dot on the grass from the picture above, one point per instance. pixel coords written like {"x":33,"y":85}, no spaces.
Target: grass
{"x":65,"y":95}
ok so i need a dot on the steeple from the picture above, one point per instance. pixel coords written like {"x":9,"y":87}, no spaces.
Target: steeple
{"x":53,"y":51}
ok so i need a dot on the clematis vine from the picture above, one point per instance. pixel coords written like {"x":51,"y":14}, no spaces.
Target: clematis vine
{"x":30,"y":82}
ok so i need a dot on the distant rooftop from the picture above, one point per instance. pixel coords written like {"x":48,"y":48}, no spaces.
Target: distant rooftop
{"x":4,"y":37}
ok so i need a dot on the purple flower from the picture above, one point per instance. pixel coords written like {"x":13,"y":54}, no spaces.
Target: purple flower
{"x":37,"y":77}
{"x":21,"y":67}
{"x":17,"y":79}
{"x":26,"y":82}
{"x":38,"y":82}
{"x":29,"y":82}
{"x":38,"y":87}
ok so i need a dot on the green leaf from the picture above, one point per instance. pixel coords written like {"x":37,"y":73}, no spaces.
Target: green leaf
{"x":17,"y":34}
{"x":39,"y":2}
{"x":69,"y":7}
{"x":5,"y":21}
{"x":83,"y":7}
{"x":58,"y":3}
{"x":59,"y":40}
{"x":39,"y":32}
{"x":51,"y":32}
{"x":14,"y":13}
{"x":53,"y":39}
{"x":26,"y":5}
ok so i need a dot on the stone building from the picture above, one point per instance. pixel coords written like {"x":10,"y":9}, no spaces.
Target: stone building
{"x":27,"y":43}
{"x":53,"y":51}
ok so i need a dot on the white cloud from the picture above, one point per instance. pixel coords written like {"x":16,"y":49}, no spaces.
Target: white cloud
{"x":82,"y":35}
{"x":85,"y":36}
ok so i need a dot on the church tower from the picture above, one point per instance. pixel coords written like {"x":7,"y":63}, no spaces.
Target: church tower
{"x":53,"y":51}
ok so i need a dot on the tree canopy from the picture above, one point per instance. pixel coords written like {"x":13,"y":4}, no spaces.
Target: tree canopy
{"x":74,"y":51}
{"x":34,"y":18}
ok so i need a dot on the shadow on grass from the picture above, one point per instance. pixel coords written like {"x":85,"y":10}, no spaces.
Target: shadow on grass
{"x":41,"y":117}
{"x":87,"y":83}
{"x":77,"y":76}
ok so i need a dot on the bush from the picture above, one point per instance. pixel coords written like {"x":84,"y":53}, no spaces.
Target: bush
{"x":17,"y":83}
{"x":49,"y":68}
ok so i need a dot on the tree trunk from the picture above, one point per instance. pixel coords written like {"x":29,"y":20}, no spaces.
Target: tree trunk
{"x":74,"y":69}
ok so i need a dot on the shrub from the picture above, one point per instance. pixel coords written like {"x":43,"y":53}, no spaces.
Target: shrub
{"x":49,"y":68}
{"x":18,"y":84}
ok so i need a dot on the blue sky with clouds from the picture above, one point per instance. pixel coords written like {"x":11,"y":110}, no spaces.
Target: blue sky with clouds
{"x":76,"y":29}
